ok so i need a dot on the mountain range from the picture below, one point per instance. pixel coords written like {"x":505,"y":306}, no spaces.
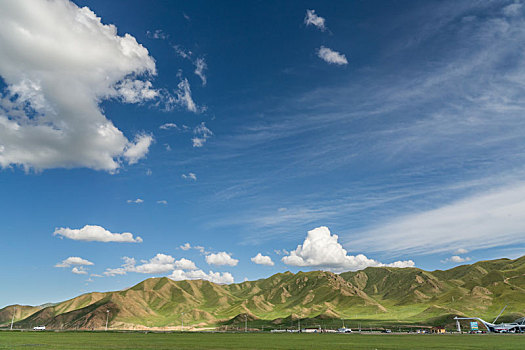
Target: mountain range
{"x":375,"y":295}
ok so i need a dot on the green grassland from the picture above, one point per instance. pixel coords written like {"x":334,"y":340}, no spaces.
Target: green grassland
{"x":159,"y":341}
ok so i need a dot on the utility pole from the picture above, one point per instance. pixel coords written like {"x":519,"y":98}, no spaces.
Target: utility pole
{"x":13,"y":319}
{"x":107,"y":319}
{"x":245,"y":323}
{"x":182,"y":320}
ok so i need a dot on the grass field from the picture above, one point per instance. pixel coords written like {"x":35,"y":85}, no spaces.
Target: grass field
{"x":111,"y":340}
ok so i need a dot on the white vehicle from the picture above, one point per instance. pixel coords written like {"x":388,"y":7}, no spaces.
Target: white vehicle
{"x":344,"y":330}
{"x":39,"y":328}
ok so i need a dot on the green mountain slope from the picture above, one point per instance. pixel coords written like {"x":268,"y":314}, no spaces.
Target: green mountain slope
{"x":20,"y":312}
{"x":380,"y":294}
{"x":483,"y":288}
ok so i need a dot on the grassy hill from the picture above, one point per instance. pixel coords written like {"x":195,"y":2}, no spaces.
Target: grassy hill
{"x":20,"y":312}
{"x":373,"y":296}
{"x":480,"y":289}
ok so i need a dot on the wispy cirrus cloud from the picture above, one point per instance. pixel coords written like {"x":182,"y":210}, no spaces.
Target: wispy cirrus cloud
{"x":429,"y":154}
{"x":182,"y":98}
{"x":189,"y":176}
{"x":313,"y":19}
{"x":512,"y":10}
{"x":167,"y":126}
{"x":157,"y":34}
{"x":135,"y":201}
{"x":202,"y":134}
{"x":492,"y":219}
{"x":199,"y":62}
{"x":200,"y":67}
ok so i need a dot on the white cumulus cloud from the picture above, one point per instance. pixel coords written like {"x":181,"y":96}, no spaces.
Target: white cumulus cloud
{"x":95,"y":233}
{"x":73,"y":260}
{"x":262,"y":260}
{"x":185,"y":246}
{"x":322,"y":250}
{"x":459,"y":259}
{"x":129,"y":265}
{"x":215,"y":277}
{"x":331,"y":56}
{"x":160,"y":263}
{"x":221,"y":258}
{"x":137,"y":150}
{"x":185,"y":264}
{"x":455,"y":259}
{"x":59,"y":62}
{"x":136,"y":91}
{"x":79,"y":270}
{"x":312,"y":18}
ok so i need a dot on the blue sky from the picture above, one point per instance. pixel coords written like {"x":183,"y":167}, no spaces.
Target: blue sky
{"x":233,"y":140}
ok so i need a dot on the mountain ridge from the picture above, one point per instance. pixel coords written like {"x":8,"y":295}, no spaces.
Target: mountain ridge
{"x":374,"y":294}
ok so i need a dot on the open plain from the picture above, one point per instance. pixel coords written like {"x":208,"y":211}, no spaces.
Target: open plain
{"x":159,"y":341}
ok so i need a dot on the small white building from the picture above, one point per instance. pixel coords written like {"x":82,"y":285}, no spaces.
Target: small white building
{"x":311,"y":330}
